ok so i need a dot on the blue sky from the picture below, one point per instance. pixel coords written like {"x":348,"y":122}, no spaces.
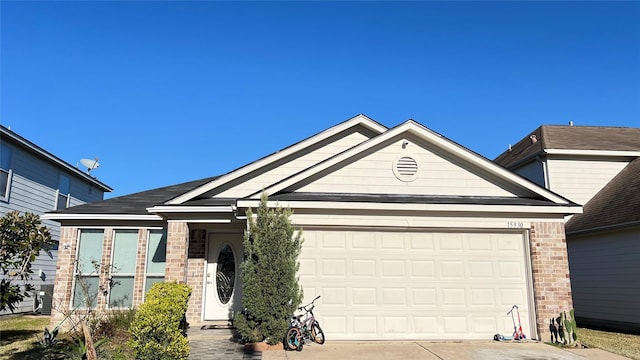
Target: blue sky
{"x":167,"y":92}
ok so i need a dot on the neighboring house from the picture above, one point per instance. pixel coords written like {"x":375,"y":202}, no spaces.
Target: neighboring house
{"x":600,"y":168}
{"x":34,"y":180}
{"x":407,"y":235}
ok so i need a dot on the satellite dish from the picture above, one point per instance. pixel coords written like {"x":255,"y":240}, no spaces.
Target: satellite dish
{"x":90,"y":164}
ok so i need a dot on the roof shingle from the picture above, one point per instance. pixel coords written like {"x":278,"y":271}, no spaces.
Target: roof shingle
{"x":618,"y":203}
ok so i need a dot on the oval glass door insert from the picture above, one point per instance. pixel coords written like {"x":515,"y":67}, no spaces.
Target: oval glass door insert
{"x":225,"y":274}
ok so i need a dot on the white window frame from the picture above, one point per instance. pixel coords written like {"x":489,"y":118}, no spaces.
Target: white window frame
{"x":92,"y":274}
{"x":4,"y":193}
{"x":146,"y":259}
{"x":59,"y":193}
{"x":113,"y":275}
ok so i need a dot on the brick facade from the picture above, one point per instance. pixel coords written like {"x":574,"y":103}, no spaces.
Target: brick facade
{"x":177,"y":247}
{"x":64,"y":273}
{"x":186,"y":263}
{"x":196,"y":263}
{"x":550,"y":266}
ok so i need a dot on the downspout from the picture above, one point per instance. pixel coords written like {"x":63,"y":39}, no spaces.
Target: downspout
{"x":545,"y":172}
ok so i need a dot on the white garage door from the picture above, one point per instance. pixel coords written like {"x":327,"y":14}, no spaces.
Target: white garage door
{"x":415,"y":285}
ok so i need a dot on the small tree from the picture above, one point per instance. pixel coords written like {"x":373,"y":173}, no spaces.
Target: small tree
{"x":21,"y":239}
{"x":270,"y":287}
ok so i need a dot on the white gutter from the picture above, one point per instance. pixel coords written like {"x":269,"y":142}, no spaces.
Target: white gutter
{"x":58,"y":216}
{"x":190,"y":209}
{"x":482,"y":208}
{"x":592,"y":152}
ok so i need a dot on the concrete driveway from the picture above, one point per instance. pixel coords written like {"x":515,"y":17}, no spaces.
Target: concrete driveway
{"x":474,"y":350}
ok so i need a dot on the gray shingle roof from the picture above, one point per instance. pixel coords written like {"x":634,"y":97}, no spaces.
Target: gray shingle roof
{"x":618,"y":203}
{"x":572,"y":138}
{"x":135,"y":204}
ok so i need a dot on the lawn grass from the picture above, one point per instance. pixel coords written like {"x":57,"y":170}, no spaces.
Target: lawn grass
{"x":20,"y":334}
{"x":621,"y":344}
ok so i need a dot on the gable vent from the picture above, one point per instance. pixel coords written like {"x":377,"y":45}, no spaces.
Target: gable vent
{"x":405,"y":168}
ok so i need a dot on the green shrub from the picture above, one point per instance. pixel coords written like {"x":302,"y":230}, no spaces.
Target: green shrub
{"x":270,"y":289}
{"x":159,"y":325}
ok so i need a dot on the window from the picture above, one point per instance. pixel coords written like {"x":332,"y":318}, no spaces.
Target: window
{"x":156,"y":258}
{"x":87,"y":272}
{"x":123,"y":268}
{"x":6,"y":154}
{"x":63,"y":192}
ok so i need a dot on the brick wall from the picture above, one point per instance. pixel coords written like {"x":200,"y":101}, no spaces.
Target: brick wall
{"x":141,"y":256}
{"x":195,"y":271}
{"x":64,"y":273}
{"x":177,"y":247}
{"x":551,"y":282}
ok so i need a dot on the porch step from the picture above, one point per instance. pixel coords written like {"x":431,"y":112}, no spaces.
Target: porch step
{"x":212,"y":325}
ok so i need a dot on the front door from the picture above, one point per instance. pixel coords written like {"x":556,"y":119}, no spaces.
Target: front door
{"x":223,"y":293}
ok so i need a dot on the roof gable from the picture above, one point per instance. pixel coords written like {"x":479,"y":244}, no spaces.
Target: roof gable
{"x":510,"y":184}
{"x":297,"y":156}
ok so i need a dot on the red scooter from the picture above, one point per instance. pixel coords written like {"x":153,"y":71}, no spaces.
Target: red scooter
{"x":518,"y":334}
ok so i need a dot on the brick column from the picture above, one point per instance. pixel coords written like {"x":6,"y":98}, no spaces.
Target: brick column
{"x":550,"y":265}
{"x":138,"y":285}
{"x":105,"y":269}
{"x":64,"y":274}
{"x":195,"y":272}
{"x":177,"y":246}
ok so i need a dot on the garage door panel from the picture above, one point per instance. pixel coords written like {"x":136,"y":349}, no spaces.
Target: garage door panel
{"x":411,"y":285}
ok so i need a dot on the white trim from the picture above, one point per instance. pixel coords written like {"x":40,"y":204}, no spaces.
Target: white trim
{"x":431,"y":137}
{"x":190,"y":209}
{"x":356,"y":120}
{"x":481,"y":208}
{"x":4,"y":195}
{"x":202,"y":221}
{"x":592,"y":152}
{"x":58,"y":216}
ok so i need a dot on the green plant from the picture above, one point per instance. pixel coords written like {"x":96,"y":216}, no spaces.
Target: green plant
{"x":270,"y":287}
{"x":78,"y":349}
{"x":114,"y":323}
{"x":21,"y":240}
{"x":567,"y":327}
{"x":159,"y":325}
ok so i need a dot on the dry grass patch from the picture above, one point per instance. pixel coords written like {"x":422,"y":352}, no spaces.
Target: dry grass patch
{"x":20,"y":333}
{"x":621,"y":344}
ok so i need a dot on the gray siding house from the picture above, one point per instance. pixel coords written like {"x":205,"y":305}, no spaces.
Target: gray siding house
{"x":34,"y":180}
{"x":600,"y":168}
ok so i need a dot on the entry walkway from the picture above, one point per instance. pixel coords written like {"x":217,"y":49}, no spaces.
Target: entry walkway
{"x":209,"y":342}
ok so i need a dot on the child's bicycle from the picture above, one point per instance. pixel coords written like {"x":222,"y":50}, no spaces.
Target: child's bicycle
{"x":303,"y":328}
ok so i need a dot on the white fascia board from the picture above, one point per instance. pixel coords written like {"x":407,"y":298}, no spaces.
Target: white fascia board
{"x":415,"y":207}
{"x":359,"y":119}
{"x":190,"y":209}
{"x":592,"y":152}
{"x":55,"y":217}
{"x":434,"y":138}
{"x":202,"y":221}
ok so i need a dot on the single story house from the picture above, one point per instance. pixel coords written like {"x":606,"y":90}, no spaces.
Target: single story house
{"x":599,"y":167}
{"x":407,"y":235}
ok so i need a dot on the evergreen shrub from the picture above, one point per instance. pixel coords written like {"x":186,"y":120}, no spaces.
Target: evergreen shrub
{"x":158,"y":328}
{"x":270,"y":290}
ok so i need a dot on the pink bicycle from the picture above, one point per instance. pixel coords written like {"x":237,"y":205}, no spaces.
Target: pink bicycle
{"x":303,"y":328}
